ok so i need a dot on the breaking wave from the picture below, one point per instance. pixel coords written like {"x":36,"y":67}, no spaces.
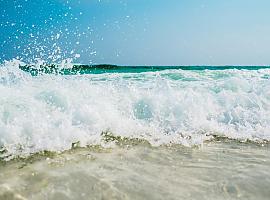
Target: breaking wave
{"x":50,"y":112}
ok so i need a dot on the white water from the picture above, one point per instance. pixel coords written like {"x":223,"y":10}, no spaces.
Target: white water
{"x":51,"y":112}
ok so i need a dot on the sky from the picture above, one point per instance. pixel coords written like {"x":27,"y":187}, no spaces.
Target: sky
{"x":137,"y":32}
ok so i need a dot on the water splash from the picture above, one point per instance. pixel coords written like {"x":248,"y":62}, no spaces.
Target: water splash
{"x":48,"y":31}
{"x":51,"y":112}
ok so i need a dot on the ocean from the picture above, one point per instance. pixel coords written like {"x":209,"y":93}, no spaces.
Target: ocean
{"x":143,"y":132}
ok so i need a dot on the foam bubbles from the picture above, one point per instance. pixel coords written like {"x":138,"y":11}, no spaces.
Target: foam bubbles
{"x":51,"y":112}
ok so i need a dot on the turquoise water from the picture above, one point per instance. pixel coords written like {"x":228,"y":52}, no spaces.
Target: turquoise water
{"x":110,"y":132}
{"x":99,"y":69}
{"x":49,"y":108}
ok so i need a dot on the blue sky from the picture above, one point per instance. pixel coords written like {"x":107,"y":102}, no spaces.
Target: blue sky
{"x":137,"y":32}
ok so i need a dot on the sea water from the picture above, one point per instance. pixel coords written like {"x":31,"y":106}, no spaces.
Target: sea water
{"x":145,"y":132}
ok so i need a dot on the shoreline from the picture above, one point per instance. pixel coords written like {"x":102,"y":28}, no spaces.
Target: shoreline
{"x":218,"y":170}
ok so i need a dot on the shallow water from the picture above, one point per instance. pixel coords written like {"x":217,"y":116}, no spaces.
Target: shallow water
{"x":134,"y":133}
{"x":217,"y":170}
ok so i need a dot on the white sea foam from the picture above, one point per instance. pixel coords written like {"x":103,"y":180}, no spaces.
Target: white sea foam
{"x":50,"y":112}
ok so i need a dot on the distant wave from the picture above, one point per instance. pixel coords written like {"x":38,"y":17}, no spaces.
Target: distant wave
{"x":73,"y":69}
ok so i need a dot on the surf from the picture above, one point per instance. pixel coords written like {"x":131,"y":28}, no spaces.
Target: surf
{"x":51,"y":110}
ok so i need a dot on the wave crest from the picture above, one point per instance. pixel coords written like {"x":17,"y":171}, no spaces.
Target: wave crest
{"x":172,"y":106}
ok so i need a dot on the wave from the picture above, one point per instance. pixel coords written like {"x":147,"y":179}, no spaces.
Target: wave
{"x":75,"y":69}
{"x":188,"y":107}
